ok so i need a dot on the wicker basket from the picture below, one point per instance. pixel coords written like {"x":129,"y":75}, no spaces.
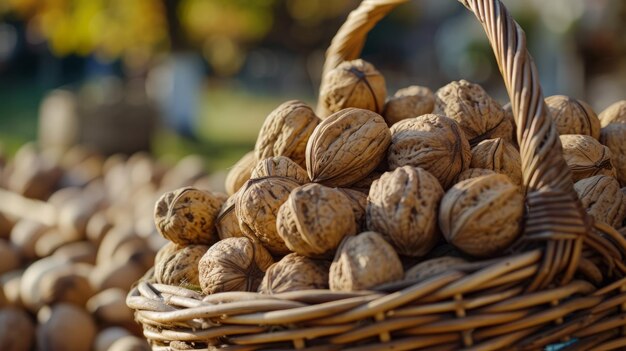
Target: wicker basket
{"x":544,"y":294}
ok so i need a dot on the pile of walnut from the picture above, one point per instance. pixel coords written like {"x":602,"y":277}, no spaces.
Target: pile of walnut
{"x":377,"y":189}
{"x":79,"y":234}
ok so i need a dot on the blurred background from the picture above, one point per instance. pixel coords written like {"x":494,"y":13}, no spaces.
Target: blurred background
{"x":176,"y":77}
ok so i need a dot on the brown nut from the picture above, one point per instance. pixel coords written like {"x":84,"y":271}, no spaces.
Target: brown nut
{"x":109,"y":307}
{"x":239,"y":173}
{"x":17,"y":331}
{"x":409,"y":102}
{"x":226,"y":222}
{"x":295,"y":272}
{"x":187,"y":216}
{"x":586,"y":157}
{"x":346,"y":147}
{"x":402,"y":206}
{"x":180,"y":268}
{"x":354,"y":83}
{"x":615,"y":113}
{"x":432,"y":267}
{"x":280,"y":166}
{"x":481,"y":216}
{"x":286,"y":131}
{"x":65,"y":327}
{"x":602,"y":198}
{"x":478,"y":115}
{"x":499,"y":156}
{"x":233,"y":264}
{"x":572,"y":116}
{"x":613,"y":136}
{"x":472,"y":173}
{"x":432,"y":142}
{"x":364,"y":261}
{"x":257,"y":207}
{"x":358,"y":200}
{"x":314,"y":220}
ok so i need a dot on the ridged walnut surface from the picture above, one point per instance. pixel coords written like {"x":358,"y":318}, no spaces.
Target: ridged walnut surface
{"x":403,"y":206}
{"x":615,"y":113}
{"x":409,"y":102}
{"x":572,"y":116}
{"x":180,"y":268}
{"x":602,"y":198}
{"x":586,"y":157}
{"x":358,"y":200}
{"x":293,"y":273}
{"x":613,"y":136}
{"x":280,"y":166}
{"x":499,"y":156}
{"x":226,"y":222}
{"x":346,"y":147}
{"x":432,"y":267}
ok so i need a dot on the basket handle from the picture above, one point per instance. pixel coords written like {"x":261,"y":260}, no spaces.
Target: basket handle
{"x":554,"y":215}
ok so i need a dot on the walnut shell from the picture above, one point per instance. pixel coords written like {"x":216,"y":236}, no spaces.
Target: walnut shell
{"x":346,"y":147}
{"x":603,"y":199}
{"x":512,"y":134}
{"x":472,"y":173}
{"x":354,"y":83}
{"x":239,"y":173}
{"x":586,"y":157}
{"x":257,"y":208}
{"x":233,"y":264}
{"x":481,"y":216}
{"x":499,"y":156}
{"x":364,"y":261}
{"x":615,"y":113}
{"x":409,"y":102}
{"x":285,"y":132}
{"x":180,"y":268}
{"x":226,"y":222}
{"x":187,"y":216}
{"x":432,"y":267}
{"x":358,"y":200}
{"x":314,"y":220}
{"x":402,"y":206}
{"x":572,"y":116}
{"x":295,"y":272}
{"x":478,"y":115}
{"x":432,"y":142}
{"x":280,"y":166}
{"x":613,"y":136}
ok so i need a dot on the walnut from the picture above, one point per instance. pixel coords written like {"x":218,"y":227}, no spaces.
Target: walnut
{"x":402,"y":206}
{"x":603,"y":199}
{"x":481,"y":216}
{"x":499,"y":156}
{"x":233,"y":264}
{"x":314,"y":220}
{"x":239,"y":173}
{"x":256,"y":209}
{"x":354,"y":83}
{"x":346,"y":147}
{"x":187,"y":215}
{"x":226,"y":222}
{"x":409,"y":102}
{"x":432,"y":142}
{"x":363,"y":262}
{"x":432,"y":267}
{"x":586,"y":157}
{"x":358,"y":200}
{"x":572,"y":116}
{"x":615,"y":113}
{"x":180,"y":268}
{"x":295,"y":272}
{"x":285,"y":132}
{"x":613,"y":136}
{"x":509,"y":123}
{"x":478,"y":115}
{"x":472,"y":173}
{"x":280,"y":166}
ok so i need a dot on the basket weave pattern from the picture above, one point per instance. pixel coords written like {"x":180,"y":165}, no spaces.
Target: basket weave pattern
{"x":536,"y":296}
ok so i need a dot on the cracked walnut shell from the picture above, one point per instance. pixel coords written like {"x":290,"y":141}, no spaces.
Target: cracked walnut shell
{"x":572,"y":116}
{"x":603,"y":199}
{"x":354,"y":83}
{"x":187,"y":215}
{"x":363,"y":262}
{"x":402,"y":206}
{"x":615,"y":113}
{"x":432,"y":142}
{"x":409,"y":102}
{"x":257,"y":207}
{"x":285,"y":132}
{"x":479,"y":116}
{"x":280,"y":166}
{"x":346,"y":147}
{"x":180,"y":268}
{"x":481,"y":216}
{"x":499,"y":156}
{"x":314,"y":220}
{"x":233,"y":264}
{"x":293,"y":273}
{"x":586,"y":157}
{"x":613,"y":136}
